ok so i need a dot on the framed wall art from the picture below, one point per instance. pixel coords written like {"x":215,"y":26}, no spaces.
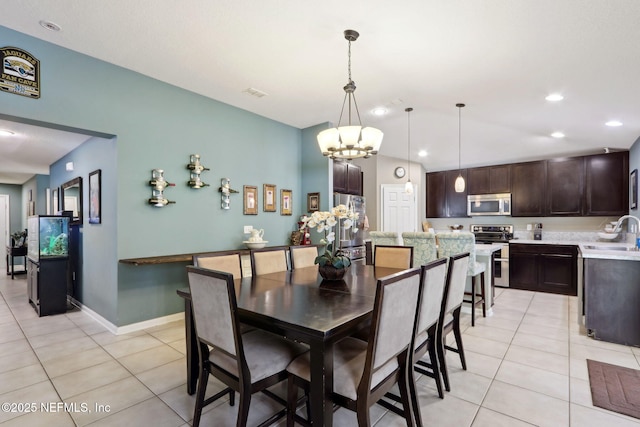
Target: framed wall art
{"x":633,"y":184}
{"x":313,"y":202}
{"x":269,"y":198}
{"x":250,"y":200}
{"x":285,"y":202}
{"x":95,"y":197}
{"x":55,"y":205}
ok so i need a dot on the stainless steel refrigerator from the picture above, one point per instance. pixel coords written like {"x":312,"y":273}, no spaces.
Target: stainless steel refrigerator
{"x":353,"y":242}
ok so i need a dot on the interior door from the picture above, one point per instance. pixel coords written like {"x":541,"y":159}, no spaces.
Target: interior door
{"x":399,"y":209}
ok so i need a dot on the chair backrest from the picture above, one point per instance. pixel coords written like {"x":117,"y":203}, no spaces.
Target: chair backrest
{"x":424,"y":246}
{"x":434,"y":277}
{"x":383,"y":238}
{"x":213,"y":301}
{"x":393,"y":318}
{"x":303,"y":256}
{"x":453,"y":243}
{"x":393,"y":256}
{"x":265,"y":261}
{"x":229,"y":263}
{"x":456,"y":282}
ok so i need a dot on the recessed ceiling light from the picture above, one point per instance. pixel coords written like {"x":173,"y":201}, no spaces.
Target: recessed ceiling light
{"x":50,"y":25}
{"x":557,"y":135}
{"x":379,"y":111}
{"x":554,"y":97}
{"x":422,"y":153}
{"x":613,"y":123}
{"x":6,"y":132}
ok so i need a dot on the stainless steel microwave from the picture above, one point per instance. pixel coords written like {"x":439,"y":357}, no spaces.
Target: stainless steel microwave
{"x":489,"y":204}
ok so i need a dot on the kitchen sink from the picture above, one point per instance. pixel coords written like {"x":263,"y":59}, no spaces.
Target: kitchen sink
{"x":608,"y":248}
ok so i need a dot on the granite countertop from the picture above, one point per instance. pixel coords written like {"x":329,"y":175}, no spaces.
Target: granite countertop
{"x":487,"y":249}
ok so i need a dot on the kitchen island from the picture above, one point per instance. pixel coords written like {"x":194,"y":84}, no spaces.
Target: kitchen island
{"x":485,"y":254}
{"x":610,"y":292}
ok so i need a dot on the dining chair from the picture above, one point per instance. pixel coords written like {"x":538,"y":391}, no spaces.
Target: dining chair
{"x":364,"y":371}
{"x":246,"y":363}
{"x":393,"y":256}
{"x":229,"y":263}
{"x":449,"y":319}
{"x":303,"y":256}
{"x":452,"y":243}
{"x":424,"y":246}
{"x":268,"y":260}
{"x":383,"y":238}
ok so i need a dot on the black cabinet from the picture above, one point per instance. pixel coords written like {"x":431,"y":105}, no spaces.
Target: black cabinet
{"x":347,"y":178}
{"x":545,"y":268}
{"x":442,"y":199}
{"x":565,"y":186}
{"x":47,"y":285}
{"x":607,"y":184}
{"x":528,"y":188}
{"x":489,"y":180}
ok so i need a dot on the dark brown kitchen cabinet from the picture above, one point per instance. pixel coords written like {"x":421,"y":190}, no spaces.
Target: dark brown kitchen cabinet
{"x":347,"y":178}
{"x":565,"y":186}
{"x":442,"y":199}
{"x":607,"y":184}
{"x":528,"y":188}
{"x":489,"y":179}
{"x":544,"y":268}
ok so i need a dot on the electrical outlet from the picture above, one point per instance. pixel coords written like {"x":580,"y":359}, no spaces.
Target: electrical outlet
{"x":247,"y":229}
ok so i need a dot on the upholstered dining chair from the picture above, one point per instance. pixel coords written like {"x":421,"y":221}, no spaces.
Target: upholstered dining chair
{"x":246,"y":363}
{"x":449,"y":320}
{"x":383,"y":238}
{"x":452,"y":243}
{"x":393,"y":256}
{"x":303,"y":256}
{"x":268,"y":260}
{"x":364,"y":371}
{"x":229,"y":263}
{"x":424,"y":246}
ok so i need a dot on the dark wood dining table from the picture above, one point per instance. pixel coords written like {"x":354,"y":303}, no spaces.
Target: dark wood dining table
{"x":300,"y":306}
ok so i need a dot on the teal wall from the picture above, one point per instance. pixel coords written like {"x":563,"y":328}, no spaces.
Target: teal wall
{"x":158,"y":126}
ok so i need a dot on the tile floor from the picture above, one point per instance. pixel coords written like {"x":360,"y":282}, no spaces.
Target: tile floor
{"x":526,"y":366}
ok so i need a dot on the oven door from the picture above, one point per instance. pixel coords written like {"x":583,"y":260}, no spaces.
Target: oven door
{"x":501,"y":268}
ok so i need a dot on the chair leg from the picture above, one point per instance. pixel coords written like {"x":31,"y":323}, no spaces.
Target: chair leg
{"x":232,"y":397}
{"x":243,"y":408}
{"x":458,"y":336}
{"x":202,"y":388}
{"x":484,"y":299}
{"x":439,"y":343}
{"x":292,"y":400}
{"x":407,"y":396}
{"x":431,"y":347}
{"x":473,"y":301}
{"x":362,"y":412}
{"x":413,"y":395}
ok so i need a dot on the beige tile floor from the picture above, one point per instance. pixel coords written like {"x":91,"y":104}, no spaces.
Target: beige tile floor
{"x":526,"y":366}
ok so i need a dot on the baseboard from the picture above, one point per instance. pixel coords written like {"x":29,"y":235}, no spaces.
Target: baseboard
{"x":133,"y":327}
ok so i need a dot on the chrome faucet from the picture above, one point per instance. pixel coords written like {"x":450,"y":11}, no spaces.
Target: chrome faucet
{"x":618,"y":226}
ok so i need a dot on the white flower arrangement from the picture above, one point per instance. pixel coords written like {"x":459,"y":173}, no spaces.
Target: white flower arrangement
{"x":324,"y":222}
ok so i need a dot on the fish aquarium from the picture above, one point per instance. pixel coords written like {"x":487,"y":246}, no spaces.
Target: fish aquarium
{"x":48,"y":237}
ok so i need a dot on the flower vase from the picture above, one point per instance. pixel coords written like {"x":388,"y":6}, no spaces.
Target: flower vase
{"x":329,"y":272}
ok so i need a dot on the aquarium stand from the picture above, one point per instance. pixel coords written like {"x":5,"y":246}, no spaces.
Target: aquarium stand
{"x":47,"y":285}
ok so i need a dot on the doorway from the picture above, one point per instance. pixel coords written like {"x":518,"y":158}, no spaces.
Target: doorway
{"x":4,"y":226}
{"x":399,"y":209}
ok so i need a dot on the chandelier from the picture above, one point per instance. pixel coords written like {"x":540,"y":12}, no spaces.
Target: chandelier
{"x":350,"y":141}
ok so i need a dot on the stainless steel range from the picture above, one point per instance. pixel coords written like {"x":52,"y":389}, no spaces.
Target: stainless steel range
{"x":489,"y":234}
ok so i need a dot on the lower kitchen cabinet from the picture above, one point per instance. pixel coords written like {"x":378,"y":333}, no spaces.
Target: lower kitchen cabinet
{"x":544,"y":268}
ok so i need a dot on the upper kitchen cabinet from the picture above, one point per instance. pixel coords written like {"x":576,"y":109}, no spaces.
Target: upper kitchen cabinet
{"x":528,"y":188}
{"x":565,"y":186}
{"x":489,"y":179}
{"x":442,"y":199}
{"x":607,"y":184}
{"x":347,"y":178}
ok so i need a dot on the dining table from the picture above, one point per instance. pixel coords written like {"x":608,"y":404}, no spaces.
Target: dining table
{"x":299,"y":305}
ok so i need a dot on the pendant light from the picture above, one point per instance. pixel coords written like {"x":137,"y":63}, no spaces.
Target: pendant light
{"x":350,"y":141}
{"x":408,"y":187}
{"x":459,"y":184}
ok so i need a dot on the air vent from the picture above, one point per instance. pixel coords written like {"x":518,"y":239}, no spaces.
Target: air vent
{"x":255,"y":92}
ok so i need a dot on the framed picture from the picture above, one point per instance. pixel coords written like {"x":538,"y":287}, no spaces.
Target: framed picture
{"x":285,"y":202}
{"x":55,"y":205}
{"x":633,"y":203}
{"x":31,"y":208}
{"x":250,"y":200}
{"x":313,"y":202}
{"x":269,"y":198}
{"x":95,"y":197}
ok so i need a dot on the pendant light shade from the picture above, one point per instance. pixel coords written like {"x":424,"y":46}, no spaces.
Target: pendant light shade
{"x":350,"y":141}
{"x":408,"y":186}
{"x":459,"y":184}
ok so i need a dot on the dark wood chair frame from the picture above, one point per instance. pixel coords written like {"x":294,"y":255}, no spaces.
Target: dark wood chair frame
{"x":408,"y":248}
{"x":276,"y":249}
